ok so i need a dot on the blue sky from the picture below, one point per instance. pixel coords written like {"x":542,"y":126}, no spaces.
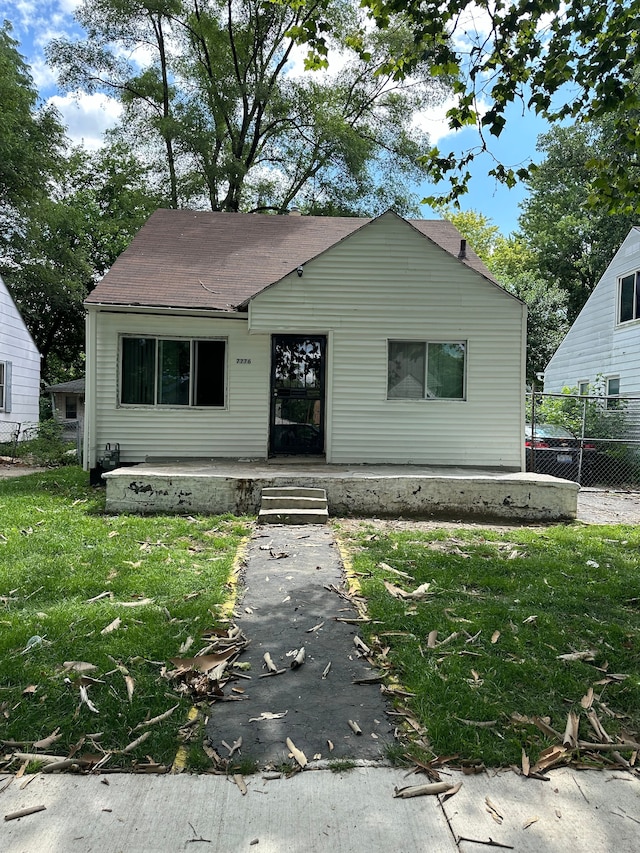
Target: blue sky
{"x":36,"y":22}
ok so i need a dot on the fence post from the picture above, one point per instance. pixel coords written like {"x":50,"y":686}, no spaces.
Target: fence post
{"x":533,"y":427}
{"x":582,"y":436}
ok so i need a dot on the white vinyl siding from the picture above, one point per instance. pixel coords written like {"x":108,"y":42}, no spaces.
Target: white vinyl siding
{"x":597,"y":345}
{"x":21,"y":361}
{"x":240,"y":429}
{"x":387,"y":282}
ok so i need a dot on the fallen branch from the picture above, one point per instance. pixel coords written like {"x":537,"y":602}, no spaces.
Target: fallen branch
{"x":421,"y":790}
{"x":134,"y":743}
{"x":157,"y":719}
{"x":489,"y":843}
{"x":24,"y":812}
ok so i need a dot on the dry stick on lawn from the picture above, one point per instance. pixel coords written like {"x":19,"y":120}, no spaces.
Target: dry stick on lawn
{"x":157,"y":719}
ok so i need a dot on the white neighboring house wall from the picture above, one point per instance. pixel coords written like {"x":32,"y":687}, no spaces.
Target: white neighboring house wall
{"x":19,"y":368}
{"x":598,"y":345}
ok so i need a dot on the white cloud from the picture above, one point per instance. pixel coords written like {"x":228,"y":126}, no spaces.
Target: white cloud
{"x":43,"y":75}
{"x":434,"y":119}
{"x":87,"y":117}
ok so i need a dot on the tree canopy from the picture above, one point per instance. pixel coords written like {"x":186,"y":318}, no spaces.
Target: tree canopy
{"x":570,"y":60}
{"x":571,"y":240}
{"x":512,"y":262}
{"x":211,"y":87}
{"x":32,"y":136}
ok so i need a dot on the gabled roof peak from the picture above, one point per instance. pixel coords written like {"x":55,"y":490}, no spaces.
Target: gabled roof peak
{"x":218,"y":261}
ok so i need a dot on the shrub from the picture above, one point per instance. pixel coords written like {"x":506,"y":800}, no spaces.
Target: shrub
{"x":47,"y":447}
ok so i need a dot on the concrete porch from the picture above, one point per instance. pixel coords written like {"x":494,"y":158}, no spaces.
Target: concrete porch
{"x":219,"y":486}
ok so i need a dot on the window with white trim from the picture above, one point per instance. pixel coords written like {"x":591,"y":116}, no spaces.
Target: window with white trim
{"x":426,"y":370}
{"x":583,"y":389}
{"x":71,"y":407}
{"x":613,"y":392}
{"x":629,"y":297}
{"x":172,"y":372}
{"x":2,"y":385}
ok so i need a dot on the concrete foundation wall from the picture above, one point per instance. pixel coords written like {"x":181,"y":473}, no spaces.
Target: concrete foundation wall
{"x":518,"y":497}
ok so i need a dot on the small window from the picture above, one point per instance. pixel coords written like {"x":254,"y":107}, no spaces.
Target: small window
{"x":629,"y":304}
{"x":613,"y":391}
{"x":2,"y":385}
{"x":583,"y":389}
{"x":71,"y":408}
{"x":172,"y":372}
{"x":419,"y":370}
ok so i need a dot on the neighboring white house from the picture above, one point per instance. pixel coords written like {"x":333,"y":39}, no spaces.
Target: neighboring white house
{"x":19,"y":370}
{"x":603,"y":344}
{"x":356,"y":340}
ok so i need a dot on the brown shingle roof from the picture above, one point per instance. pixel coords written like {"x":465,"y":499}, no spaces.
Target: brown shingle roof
{"x":198,"y":259}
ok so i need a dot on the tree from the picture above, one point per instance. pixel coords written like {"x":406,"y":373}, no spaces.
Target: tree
{"x":31,"y":140}
{"x":572,"y":241}
{"x":229,"y":123}
{"x":514,"y":266}
{"x":66,"y":243}
{"x":562,"y":59}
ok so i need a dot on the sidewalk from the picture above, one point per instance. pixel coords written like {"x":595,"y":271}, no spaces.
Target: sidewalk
{"x":291,"y":598}
{"x":318,"y":811}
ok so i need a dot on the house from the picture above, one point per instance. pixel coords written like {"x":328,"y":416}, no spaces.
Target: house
{"x":19,"y":371}
{"x":602,"y":347}
{"x":67,"y":406}
{"x":243,"y":336}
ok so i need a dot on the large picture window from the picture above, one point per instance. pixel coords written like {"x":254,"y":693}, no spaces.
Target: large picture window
{"x":419,"y":370}
{"x":172,"y":372}
{"x":629,"y":304}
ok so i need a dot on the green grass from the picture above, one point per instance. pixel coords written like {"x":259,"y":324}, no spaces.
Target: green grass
{"x":484,"y":581}
{"x":57,"y":550}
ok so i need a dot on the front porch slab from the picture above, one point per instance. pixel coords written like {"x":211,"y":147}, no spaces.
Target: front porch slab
{"x":221,"y":486}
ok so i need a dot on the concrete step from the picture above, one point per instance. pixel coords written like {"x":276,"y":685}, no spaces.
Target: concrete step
{"x":297,"y":491}
{"x":293,"y":505}
{"x":293,"y":502}
{"x":293,"y":516}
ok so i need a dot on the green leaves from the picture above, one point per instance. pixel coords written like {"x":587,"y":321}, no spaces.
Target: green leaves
{"x":574,"y":59}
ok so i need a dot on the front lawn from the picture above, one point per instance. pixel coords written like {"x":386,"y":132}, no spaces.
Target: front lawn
{"x":506,"y":607}
{"x":123,"y":594}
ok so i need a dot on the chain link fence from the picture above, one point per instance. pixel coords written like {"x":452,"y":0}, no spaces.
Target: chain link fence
{"x":9,"y":434}
{"x":594,"y":440}
{"x":49,"y":440}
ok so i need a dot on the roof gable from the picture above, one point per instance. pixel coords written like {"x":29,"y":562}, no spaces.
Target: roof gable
{"x":219,"y":261}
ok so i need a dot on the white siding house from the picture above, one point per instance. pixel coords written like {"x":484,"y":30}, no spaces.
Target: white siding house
{"x":603,"y":344}
{"x":243,"y":336}
{"x":19,"y":370}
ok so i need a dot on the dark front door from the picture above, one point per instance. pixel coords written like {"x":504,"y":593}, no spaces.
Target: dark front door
{"x":297,"y":394}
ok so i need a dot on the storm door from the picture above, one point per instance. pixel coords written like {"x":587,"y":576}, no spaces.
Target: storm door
{"x":297,"y":394}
